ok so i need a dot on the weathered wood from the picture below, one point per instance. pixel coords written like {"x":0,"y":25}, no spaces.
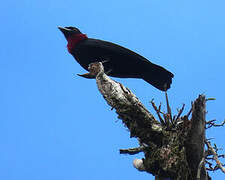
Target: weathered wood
{"x":196,"y":139}
{"x":172,"y":151}
{"x":134,"y":115}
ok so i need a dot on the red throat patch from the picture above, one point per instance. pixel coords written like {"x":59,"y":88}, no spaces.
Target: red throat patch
{"x":73,"y":40}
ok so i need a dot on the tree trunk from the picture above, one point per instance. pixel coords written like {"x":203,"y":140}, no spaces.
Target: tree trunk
{"x":173,"y":146}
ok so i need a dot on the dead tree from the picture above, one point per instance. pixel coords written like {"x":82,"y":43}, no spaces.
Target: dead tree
{"x":173,"y":146}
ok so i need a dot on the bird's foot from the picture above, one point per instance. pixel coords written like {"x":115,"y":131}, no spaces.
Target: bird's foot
{"x":92,"y":75}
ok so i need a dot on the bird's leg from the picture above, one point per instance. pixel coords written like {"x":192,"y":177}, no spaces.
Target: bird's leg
{"x":92,"y":71}
{"x":88,"y":75}
{"x":91,"y":76}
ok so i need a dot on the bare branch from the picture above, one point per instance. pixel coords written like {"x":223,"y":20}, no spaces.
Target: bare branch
{"x":212,"y":124}
{"x":157,"y":110}
{"x":132,"y":151}
{"x":210,"y":99}
{"x":168,"y":107}
{"x":215,"y":157}
{"x":190,"y":111}
{"x":180,"y":112}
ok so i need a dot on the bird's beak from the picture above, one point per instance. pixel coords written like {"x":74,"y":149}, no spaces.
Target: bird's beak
{"x":65,"y":31}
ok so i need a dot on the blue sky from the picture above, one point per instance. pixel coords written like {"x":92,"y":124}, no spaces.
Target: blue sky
{"x":54,"y":124}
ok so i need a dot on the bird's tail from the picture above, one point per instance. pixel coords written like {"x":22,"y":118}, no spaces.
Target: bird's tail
{"x":157,"y":76}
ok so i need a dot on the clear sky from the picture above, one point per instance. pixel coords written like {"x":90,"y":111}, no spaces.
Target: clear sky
{"x":54,"y":124}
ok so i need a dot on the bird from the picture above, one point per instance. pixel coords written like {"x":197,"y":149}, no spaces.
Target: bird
{"x":118,"y":61}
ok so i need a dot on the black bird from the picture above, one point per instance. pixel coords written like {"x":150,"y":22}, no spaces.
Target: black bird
{"x":119,"y":61}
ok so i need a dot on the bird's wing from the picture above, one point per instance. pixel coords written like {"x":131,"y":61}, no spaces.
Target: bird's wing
{"x":109,"y":49}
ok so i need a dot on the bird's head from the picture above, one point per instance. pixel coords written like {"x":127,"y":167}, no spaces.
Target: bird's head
{"x":73,"y":36}
{"x":69,"y":31}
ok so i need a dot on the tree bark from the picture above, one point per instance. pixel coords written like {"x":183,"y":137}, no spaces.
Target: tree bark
{"x":172,"y":149}
{"x":196,"y":139}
